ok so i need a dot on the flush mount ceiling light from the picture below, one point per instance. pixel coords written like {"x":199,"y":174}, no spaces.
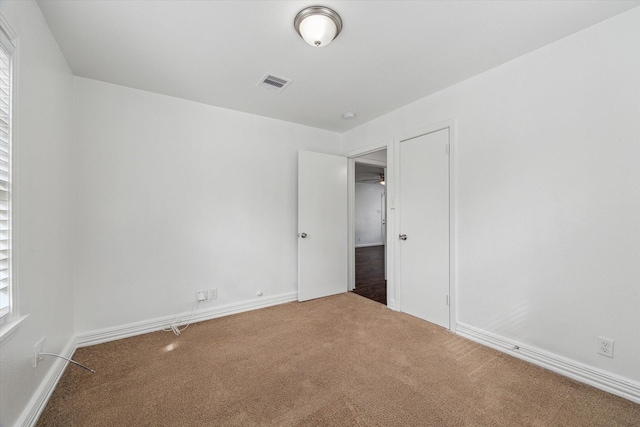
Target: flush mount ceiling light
{"x":318,"y":25}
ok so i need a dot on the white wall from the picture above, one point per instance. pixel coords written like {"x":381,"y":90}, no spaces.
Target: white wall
{"x":173,"y":196}
{"x":380,"y":156}
{"x":546,"y":184}
{"x":368,"y":213}
{"x":42,"y":210}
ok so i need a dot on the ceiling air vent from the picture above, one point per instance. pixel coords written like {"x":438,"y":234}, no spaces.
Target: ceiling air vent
{"x":274,"y":82}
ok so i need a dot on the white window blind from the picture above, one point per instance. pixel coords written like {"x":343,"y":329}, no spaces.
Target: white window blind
{"x":5,"y":177}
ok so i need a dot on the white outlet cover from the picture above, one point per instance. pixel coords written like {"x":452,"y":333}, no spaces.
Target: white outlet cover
{"x":605,"y":347}
{"x":37,"y":349}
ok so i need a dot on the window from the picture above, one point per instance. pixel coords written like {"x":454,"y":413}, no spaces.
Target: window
{"x":6,"y":86}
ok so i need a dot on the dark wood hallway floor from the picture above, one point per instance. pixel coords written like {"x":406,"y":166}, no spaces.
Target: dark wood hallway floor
{"x":370,"y":281}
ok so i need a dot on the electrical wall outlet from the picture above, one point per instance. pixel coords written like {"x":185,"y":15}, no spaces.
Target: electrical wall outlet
{"x":605,"y":346}
{"x":207,"y":295}
{"x":37,"y":349}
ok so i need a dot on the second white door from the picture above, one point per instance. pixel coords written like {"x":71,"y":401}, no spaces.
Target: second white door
{"x":423,"y":290}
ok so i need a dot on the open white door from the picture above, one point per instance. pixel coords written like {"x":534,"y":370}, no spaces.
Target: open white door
{"x":322,"y":225}
{"x":424,"y":227}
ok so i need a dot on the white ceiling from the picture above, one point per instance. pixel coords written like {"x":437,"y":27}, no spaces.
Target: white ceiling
{"x":389,"y":54}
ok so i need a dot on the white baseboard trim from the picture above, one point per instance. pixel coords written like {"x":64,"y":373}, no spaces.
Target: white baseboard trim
{"x":366,"y":245}
{"x":132,"y":329}
{"x":570,"y":368}
{"x":40,"y":398}
{"x":391,"y":303}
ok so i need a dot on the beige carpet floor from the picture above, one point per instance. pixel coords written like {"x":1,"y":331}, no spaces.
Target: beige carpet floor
{"x":337,"y":361}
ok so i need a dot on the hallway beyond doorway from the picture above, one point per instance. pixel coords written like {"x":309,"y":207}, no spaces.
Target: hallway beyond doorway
{"x":370,"y":282}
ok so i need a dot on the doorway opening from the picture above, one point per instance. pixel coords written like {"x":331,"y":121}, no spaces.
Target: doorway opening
{"x":370,"y":223}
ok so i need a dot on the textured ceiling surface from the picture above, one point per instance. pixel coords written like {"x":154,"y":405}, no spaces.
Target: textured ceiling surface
{"x":389,"y":54}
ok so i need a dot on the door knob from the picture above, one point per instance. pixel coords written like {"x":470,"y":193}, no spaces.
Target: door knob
{"x":403,"y":237}
{"x":303,"y":235}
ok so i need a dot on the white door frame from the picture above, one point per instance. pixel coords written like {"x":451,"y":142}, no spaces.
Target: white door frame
{"x":395,"y":173}
{"x":390,"y":243}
